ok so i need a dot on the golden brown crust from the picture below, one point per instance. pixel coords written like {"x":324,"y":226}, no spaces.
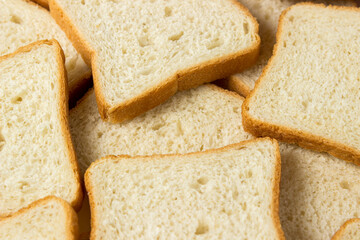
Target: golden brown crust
{"x":236,"y":84}
{"x":276,"y":181}
{"x":43,"y":3}
{"x":339,"y":234}
{"x":72,"y":232}
{"x":184,"y":79}
{"x":285,"y":134}
{"x":63,"y":108}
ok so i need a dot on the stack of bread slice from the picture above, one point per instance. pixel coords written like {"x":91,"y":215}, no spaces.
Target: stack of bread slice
{"x":161,"y":154}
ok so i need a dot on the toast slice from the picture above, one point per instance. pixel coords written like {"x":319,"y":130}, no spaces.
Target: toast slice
{"x":23,"y":22}
{"x":143,"y":52}
{"x":36,"y":151}
{"x":228,"y":193}
{"x":267,"y":13}
{"x":309,"y":91}
{"x":349,"y":231}
{"x":47,"y":218}
{"x":193,"y":120}
{"x":318,"y":193}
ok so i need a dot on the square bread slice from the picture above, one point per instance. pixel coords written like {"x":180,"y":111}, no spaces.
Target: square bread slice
{"x":47,"y":218}
{"x":318,"y":193}
{"x":23,"y":22}
{"x":309,"y":92}
{"x":143,"y":52}
{"x":349,"y":231}
{"x":228,"y":193}
{"x":36,"y":151}
{"x":267,"y":13}
{"x":193,"y":120}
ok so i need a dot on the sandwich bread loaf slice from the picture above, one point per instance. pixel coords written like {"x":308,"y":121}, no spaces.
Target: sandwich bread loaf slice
{"x":36,"y":152}
{"x":228,"y":193}
{"x":318,"y":193}
{"x":143,"y":52}
{"x":47,"y":218}
{"x":23,"y":22}
{"x":309,"y":92}
{"x":193,"y":120}
{"x":349,"y":231}
{"x":267,"y":13}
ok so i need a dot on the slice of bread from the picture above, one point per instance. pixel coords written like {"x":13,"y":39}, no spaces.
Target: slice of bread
{"x":193,"y":120}
{"x":142,"y":52}
{"x":23,"y":22}
{"x":228,"y":193}
{"x":349,"y":231}
{"x":318,"y":193}
{"x":47,"y":218}
{"x":36,"y":152}
{"x":267,"y":13}
{"x":309,"y":91}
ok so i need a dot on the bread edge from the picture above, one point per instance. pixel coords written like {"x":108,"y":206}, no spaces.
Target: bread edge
{"x":235,"y":84}
{"x":72,"y":224}
{"x":275,"y":188}
{"x":184,"y":79}
{"x":64,"y":110}
{"x":43,"y":3}
{"x":286,"y":134}
{"x":339,"y":234}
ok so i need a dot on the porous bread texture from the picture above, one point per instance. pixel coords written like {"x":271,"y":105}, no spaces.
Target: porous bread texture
{"x":229,"y":193}
{"x":47,"y":218}
{"x":318,"y":193}
{"x":23,"y":22}
{"x":267,"y":13}
{"x":349,"y":231}
{"x":142,"y":52}
{"x":193,"y":120}
{"x":309,"y":91}
{"x":36,"y":152}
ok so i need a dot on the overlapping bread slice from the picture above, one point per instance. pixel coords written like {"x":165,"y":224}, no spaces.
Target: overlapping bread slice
{"x":36,"y":152}
{"x":47,"y":218}
{"x":349,"y":231}
{"x":309,"y":91}
{"x":318,"y":193}
{"x":267,"y":13}
{"x":44,"y":3}
{"x":228,"y":193}
{"x":193,"y":120}
{"x":143,"y":52}
{"x":23,"y":22}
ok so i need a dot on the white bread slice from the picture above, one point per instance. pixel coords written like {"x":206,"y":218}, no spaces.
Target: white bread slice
{"x":193,"y":120}
{"x":23,"y":22}
{"x":36,"y":152}
{"x":267,"y":13}
{"x":228,"y":193}
{"x":318,"y":193}
{"x":349,"y":231}
{"x":309,"y":91}
{"x":47,"y":218}
{"x":143,"y":52}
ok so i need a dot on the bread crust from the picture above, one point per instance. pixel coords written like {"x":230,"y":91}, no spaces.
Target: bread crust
{"x":63,"y":110}
{"x":72,"y":226}
{"x":236,"y":84}
{"x":286,"y":134}
{"x":339,"y":234}
{"x":181,"y":80}
{"x":275,"y":184}
{"x":43,"y":3}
